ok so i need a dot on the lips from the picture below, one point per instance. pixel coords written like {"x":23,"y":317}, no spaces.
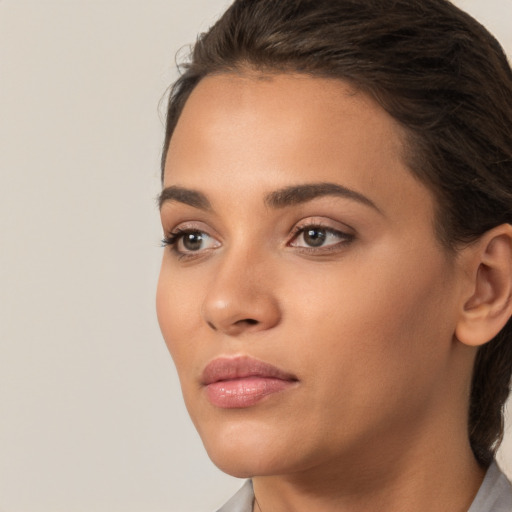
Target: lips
{"x":243,"y":381}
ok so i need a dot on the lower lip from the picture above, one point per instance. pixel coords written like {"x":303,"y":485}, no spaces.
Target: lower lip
{"x":244,"y":392}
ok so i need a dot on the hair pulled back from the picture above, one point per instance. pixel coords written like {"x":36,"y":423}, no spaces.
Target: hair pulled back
{"x":434,"y":69}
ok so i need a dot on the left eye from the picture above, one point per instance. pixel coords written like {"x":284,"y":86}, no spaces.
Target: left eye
{"x":317,"y":236}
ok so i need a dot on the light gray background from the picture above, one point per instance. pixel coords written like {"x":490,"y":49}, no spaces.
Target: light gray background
{"x":91,"y":417}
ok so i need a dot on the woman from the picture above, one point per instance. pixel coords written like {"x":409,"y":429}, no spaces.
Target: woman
{"x":336,"y":290}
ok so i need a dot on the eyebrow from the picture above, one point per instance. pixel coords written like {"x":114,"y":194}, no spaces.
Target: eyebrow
{"x":282,"y":198}
{"x":298,"y":194}
{"x":183,"y":195}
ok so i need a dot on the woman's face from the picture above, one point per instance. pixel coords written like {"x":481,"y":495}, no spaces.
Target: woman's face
{"x":305,"y":300}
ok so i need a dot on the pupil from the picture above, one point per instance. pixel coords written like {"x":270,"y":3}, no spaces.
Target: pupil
{"x":314,"y":237}
{"x":192,"y":241}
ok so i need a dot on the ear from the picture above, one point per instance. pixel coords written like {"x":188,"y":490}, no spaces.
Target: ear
{"x":487,"y":305}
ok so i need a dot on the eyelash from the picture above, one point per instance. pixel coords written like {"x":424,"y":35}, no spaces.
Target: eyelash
{"x":172,"y":240}
{"x":345,"y":238}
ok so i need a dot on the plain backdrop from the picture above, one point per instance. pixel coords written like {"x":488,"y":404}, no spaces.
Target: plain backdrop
{"x":91,"y":417}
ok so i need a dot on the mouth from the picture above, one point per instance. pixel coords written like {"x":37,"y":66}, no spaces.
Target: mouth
{"x":240,"y":382}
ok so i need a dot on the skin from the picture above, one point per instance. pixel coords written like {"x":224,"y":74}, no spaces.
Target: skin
{"x":377,"y":419}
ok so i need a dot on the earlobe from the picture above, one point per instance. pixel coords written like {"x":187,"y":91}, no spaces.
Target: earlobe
{"x":489,"y":305}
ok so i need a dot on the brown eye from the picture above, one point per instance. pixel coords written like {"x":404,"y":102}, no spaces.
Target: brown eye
{"x":319,"y":237}
{"x":314,"y":237}
{"x":190,"y":241}
{"x":193,"y":240}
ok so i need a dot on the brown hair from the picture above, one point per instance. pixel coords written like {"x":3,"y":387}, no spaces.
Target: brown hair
{"x":441,"y":75}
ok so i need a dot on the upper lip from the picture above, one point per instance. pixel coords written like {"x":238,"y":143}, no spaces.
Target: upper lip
{"x":229,"y":368}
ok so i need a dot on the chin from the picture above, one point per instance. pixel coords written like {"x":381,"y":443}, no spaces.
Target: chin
{"x":245,"y":451}
{"x":234,"y":467}
{"x":246,"y":464}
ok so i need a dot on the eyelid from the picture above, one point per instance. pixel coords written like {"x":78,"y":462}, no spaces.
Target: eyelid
{"x":176,"y":234}
{"x":191,"y":225}
{"x":345,"y":233}
{"x":324,"y":223}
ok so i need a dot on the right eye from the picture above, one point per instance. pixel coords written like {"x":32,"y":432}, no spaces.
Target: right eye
{"x":188,"y":241}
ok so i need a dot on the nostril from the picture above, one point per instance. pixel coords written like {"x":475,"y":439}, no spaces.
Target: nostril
{"x":248,"y":321}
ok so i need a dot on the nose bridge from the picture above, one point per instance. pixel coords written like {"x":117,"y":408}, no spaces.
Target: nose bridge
{"x":240,"y":297}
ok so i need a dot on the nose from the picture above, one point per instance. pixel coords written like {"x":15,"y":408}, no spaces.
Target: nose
{"x":240,"y":298}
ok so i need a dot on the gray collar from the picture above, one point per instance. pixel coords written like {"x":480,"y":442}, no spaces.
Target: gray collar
{"x":495,"y":493}
{"x":242,"y":501}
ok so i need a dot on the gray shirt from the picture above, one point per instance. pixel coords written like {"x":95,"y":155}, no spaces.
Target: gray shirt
{"x":494,"y":495}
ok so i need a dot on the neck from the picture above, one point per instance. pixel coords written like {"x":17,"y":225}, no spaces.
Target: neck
{"x":407,"y":475}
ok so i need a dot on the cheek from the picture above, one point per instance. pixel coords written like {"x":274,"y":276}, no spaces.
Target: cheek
{"x":377,"y":320}
{"x":176,"y":306}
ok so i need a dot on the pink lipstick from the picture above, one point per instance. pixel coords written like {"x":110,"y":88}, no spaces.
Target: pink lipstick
{"x":241,"y":382}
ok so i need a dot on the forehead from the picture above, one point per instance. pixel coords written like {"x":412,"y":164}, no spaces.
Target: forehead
{"x":267,"y":131}
{"x":311,"y":107}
